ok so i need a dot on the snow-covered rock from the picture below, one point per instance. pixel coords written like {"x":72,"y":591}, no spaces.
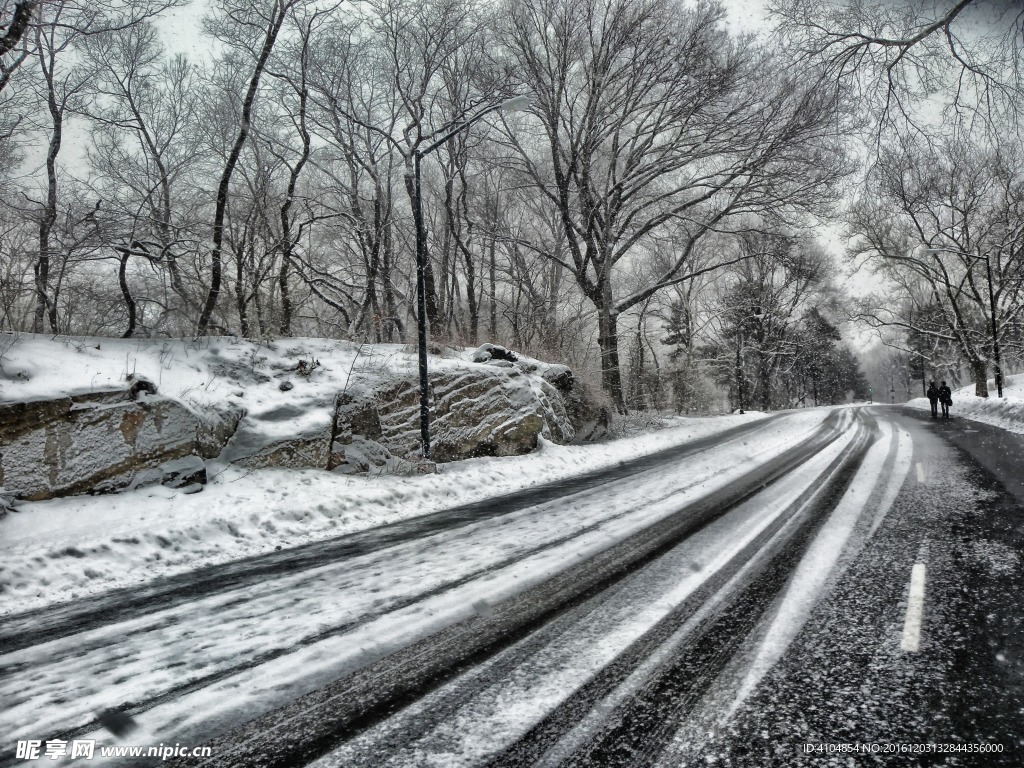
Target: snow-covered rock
{"x":264,"y":440}
{"x":491,"y":352}
{"x":99,"y":425}
{"x":91,"y":442}
{"x":474,"y":412}
{"x":184,"y":472}
{"x":560,"y":377}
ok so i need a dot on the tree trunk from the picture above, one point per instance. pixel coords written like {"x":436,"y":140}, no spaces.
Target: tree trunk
{"x":492,"y":293}
{"x":19,"y":24}
{"x":980,"y":372}
{"x":129,"y":302}
{"x":229,"y":168}
{"x":608,"y":341}
{"x":429,"y":287}
{"x":287,"y":239}
{"x":393,"y":321}
{"x":242,"y":304}
{"x":765,"y":383}
{"x":49,"y":217}
{"x":41,"y":271}
{"x":285,"y":326}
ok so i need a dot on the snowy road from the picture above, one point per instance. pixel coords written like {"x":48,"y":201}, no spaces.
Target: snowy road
{"x":639,"y":617}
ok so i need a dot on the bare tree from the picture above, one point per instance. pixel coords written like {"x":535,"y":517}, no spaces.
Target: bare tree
{"x":60,"y":28}
{"x":941,"y":222}
{"x":15,"y":49}
{"x":426,"y":48}
{"x":651,"y":115}
{"x":250,"y":30}
{"x":356,"y":114}
{"x":895,"y":54}
{"x":145,"y":150}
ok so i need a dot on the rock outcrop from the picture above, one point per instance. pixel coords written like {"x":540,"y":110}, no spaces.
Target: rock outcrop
{"x":108,"y":440}
{"x":94,"y":442}
{"x":496,"y":409}
{"x":474,"y":412}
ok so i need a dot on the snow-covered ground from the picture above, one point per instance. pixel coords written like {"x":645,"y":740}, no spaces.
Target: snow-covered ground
{"x":1006,"y":412}
{"x":69,"y":548}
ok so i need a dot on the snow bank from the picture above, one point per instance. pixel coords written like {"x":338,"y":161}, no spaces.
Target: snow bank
{"x":287,"y":387}
{"x":1006,"y":412}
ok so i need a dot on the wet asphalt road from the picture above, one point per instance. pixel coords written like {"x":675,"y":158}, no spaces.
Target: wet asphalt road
{"x":318,"y":722}
{"x":845,"y":680}
{"x":76,"y":616}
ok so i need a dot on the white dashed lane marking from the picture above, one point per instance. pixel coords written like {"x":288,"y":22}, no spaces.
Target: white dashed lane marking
{"x":915,"y":610}
{"x":920,"y":472}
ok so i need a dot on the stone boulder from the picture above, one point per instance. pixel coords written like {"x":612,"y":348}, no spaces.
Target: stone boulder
{"x":217,"y":427}
{"x":359,"y":454}
{"x":94,"y":442}
{"x":560,"y":377}
{"x":355,"y":446}
{"x":187,"y":473}
{"x":293,"y":435}
{"x":474,"y":412}
{"x":588,"y":413}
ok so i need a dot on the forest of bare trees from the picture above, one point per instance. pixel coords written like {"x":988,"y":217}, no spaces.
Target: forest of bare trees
{"x":647,"y":219}
{"x":939,"y":217}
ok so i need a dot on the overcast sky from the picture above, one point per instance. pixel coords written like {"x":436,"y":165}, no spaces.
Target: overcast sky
{"x":181,"y":24}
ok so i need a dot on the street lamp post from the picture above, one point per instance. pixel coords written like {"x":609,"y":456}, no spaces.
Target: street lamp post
{"x":509,"y":105}
{"x":992,"y":311}
{"x":739,"y":372}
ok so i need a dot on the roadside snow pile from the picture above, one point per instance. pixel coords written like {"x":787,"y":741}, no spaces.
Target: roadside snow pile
{"x":1006,"y":412}
{"x":69,"y":548}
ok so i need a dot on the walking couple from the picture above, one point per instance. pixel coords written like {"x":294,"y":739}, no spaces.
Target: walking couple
{"x":942,"y":395}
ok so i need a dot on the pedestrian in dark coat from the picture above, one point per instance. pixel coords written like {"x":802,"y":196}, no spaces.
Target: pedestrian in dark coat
{"x":933,"y":399}
{"x":946,"y":398}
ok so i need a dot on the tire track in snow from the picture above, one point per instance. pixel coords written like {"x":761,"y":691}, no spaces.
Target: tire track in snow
{"x":139,"y":704}
{"x":74,"y":617}
{"x":315,"y":722}
{"x":877,"y":483}
{"x":586,"y":661}
{"x":627,"y":721}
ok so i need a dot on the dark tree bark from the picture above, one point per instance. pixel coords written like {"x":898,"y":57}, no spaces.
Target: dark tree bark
{"x":288,"y":239}
{"x":129,"y":301}
{"x":19,"y":23}
{"x":48,"y":215}
{"x":273,"y":29}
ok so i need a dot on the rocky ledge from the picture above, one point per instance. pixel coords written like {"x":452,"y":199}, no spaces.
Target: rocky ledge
{"x":496,"y":403}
